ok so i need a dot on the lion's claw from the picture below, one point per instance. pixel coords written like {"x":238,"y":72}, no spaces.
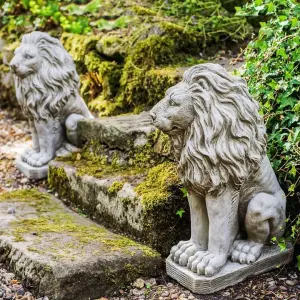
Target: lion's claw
{"x":25,"y":156}
{"x":184,"y":251}
{"x":206,"y":263}
{"x":245,"y":252}
{"x":38,"y":159}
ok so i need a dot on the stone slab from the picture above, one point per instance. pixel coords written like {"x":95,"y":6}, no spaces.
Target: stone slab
{"x":231,"y":274}
{"x":30,"y":171}
{"x":63,"y":255}
{"x":122,"y":210}
{"x":121,"y":132}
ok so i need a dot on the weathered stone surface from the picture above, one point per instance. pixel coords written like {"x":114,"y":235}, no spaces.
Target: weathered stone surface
{"x":30,"y":171}
{"x":66,"y":256}
{"x":123,"y":209}
{"x":231,"y":274}
{"x":121,"y":132}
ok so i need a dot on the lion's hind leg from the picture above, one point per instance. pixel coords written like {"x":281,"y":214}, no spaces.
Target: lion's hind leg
{"x":264,"y":219}
{"x":71,"y":128}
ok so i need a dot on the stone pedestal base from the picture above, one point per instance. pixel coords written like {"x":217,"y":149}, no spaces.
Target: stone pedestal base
{"x":31,"y":172}
{"x":231,"y":274}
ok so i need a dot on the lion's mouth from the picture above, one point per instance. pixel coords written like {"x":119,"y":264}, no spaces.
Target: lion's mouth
{"x":22,"y":75}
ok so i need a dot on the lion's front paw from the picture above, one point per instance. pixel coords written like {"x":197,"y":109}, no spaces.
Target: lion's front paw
{"x":246,"y":252}
{"x":183,"y":251}
{"x":27,"y":154}
{"x":206,"y":263}
{"x":39,"y":159}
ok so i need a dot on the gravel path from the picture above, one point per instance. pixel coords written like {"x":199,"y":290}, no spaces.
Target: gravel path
{"x":282,"y":283}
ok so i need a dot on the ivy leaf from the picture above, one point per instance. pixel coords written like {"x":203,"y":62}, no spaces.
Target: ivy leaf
{"x":292,"y":188}
{"x":180,"y":212}
{"x":282,"y":53}
{"x":25,"y":3}
{"x":298,"y":260}
{"x":184,"y":192}
{"x":282,"y":246}
{"x":293,"y":171}
{"x":271,"y":7}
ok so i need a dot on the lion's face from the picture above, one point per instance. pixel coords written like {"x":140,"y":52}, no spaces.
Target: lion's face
{"x":26,"y":61}
{"x":175,"y":112}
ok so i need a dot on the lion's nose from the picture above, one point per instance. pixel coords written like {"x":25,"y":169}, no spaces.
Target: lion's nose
{"x":153,"y":115}
{"x":14,"y":66}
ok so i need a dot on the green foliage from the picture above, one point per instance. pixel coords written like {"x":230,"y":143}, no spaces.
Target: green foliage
{"x":207,"y":17}
{"x":184,"y":192}
{"x":126,"y":52}
{"x":180,"y":212}
{"x":272,"y":72}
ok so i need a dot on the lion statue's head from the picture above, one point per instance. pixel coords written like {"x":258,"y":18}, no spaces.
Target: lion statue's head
{"x":45,"y":75}
{"x":216,"y":130}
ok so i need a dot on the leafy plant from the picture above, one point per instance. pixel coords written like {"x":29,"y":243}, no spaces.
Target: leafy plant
{"x":272,"y":72}
{"x":180,"y":212}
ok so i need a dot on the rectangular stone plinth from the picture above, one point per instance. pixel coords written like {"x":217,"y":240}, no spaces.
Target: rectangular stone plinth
{"x":65,"y":256}
{"x":30,"y":171}
{"x":231,"y":274}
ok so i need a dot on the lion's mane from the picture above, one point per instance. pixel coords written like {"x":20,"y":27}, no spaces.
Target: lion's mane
{"x":45,"y":93}
{"x":226,"y":140}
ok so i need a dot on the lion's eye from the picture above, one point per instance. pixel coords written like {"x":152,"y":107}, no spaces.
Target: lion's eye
{"x":27,"y":56}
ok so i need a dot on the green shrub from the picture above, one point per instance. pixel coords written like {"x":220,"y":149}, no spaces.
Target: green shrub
{"x":272,"y":70}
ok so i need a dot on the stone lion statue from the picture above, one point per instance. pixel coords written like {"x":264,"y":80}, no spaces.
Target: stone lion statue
{"x":219,"y":140}
{"x":47,"y":85}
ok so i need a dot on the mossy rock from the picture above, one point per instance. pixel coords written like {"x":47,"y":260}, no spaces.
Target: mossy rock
{"x":142,"y":203}
{"x":52,"y":249}
{"x":78,"y":47}
{"x":113,"y":47}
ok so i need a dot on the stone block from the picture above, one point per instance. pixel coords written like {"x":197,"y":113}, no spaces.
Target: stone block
{"x":63,"y":255}
{"x":121,"y":132}
{"x":231,"y":274}
{"x":123,"y":209}
{"x":30,"y":171}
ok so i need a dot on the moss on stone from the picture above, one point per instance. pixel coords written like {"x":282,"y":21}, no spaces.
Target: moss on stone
{"x":78,"y":45}
{"x":113,"y":46}
{"x":154,"y":190}
{"x":115,"y":187}
{"x":157,"y":81}
{"x":32,"y":197}
{"x":57,"y":174}
{"x":143,"y":11}
{"x":50,"y":219}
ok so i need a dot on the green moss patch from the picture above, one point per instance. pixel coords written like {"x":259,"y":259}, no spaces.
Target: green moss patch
{"x":155,"y":189}
{"x":69,"y":234}
{"x":32,"y":197}
{"x":115,"y":187}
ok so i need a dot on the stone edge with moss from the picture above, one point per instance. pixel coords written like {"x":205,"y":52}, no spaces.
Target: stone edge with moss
{"x":56,"y":280}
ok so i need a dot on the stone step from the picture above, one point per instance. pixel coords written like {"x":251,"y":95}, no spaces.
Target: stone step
{"x":64,"y":255}
{"x":144,"y":205}
{"x":123,"y":132}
